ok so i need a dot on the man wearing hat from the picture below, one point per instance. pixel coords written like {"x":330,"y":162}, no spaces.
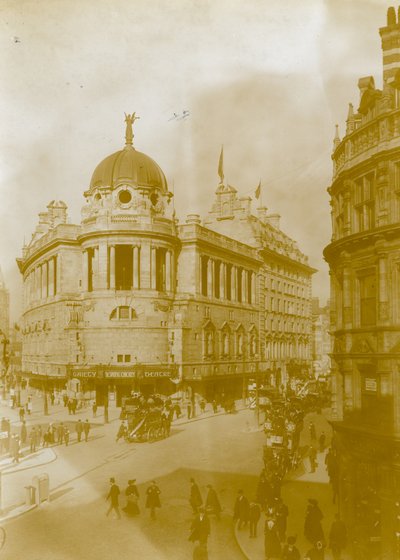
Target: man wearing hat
{"x":153,"y":498}
{"x":316,"y":552}
{"x":290,"y":551}
{"x":212,"y":502}
{"x":113,"y":495}
{"x":312,"y":524}
{"x":195,"y":497}
{"x":200,"y":528}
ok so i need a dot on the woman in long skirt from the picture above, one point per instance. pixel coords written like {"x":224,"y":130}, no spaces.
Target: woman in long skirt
{"x":132,"y":498}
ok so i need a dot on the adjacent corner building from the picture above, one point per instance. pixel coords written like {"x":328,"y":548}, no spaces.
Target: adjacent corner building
{"x":364,"y":261}
{"x":132,"y":299}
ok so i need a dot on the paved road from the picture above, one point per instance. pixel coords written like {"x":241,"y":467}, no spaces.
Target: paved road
{"x":217,"y":450}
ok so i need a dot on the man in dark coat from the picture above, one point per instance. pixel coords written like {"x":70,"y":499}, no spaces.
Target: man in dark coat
{"x":200,"y":528}
{"x":281,"y":515}
{"x":312,"y":525}
{"x":60,"y":433}
{"x":254,"y":518}
{"x":24,"y":432}
{"x":212,"y":502}
{"x":79,"y":429}
{"x":195,"y":497}
{"x":290,"y":551}
{"x":241,"y":510}
{"x":113,"y":495}
{"x":337,"y":537}
{"x":271,"y":541}
{"x":153,"y":498}
{"x":86,"y":429}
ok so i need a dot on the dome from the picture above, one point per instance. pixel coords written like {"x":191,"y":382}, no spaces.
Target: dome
{"x":128,"y":166}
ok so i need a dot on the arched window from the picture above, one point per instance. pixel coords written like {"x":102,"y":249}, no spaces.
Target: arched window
{"x":123,"y":313}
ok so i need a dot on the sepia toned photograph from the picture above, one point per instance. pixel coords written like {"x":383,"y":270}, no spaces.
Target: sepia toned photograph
{"x":199,"y":280}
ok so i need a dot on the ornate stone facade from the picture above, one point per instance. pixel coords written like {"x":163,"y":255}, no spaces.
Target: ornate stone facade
{"x":132,"y":298}
{"x":364,"y":258}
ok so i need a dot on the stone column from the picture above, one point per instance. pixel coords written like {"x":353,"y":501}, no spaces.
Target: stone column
{"x":38,"y":282}
{"x":347,"y":298}
{"x":222,"y":272}
{"x":85,"y":271}
{"x":233,"y":284}
{"x":168,"y":271}
{"x":244,"y":286}
{"x":136,"y":267}
{"x":153,"y":268}
{"x":111,"y":260}
{"x":102,"y":262}
{"x":210,"y":278}
{"x":144,"y":281}
{"x":58,"y":280}
{"x":199,"y":281}
{"x":95,"y":269}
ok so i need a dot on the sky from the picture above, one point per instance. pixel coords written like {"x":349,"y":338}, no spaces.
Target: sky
{"x":267,"y":79}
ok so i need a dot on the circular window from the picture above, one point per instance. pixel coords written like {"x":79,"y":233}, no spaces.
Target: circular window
{"x":97,"y":196}
{"x":124,"y":197}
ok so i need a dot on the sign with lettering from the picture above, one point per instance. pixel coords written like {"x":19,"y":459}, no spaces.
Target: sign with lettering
{"x":84,"y":373}
{"x":157,"y":374}
{"x":121,"y":374}
{"x":371,"y":384}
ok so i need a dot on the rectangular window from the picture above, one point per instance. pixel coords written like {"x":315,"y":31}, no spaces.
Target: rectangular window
{"x":228,"y":280}
{"x":120,"y":358}
{"x":368,"y":300}
{"x":90,"y":255}
{"x":123,"y":267}
{"x":239,"y":284}
{"x":160,"y":269}
{"x":217,"y":266}
{"x":203,"y":275}
{"x":127,"y":358}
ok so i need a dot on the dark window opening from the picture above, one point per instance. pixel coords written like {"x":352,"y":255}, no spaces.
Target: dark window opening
{"x":239,"y":284}
{"x":368,"y":300}
{"x":123,"y":267}
{"x":228,"y":282}
{"x":160,"y":269}
{"x":90,"y":255}
{"x":217,"y":268}
{"x":204,"y":276}
{"x":249,"y":286}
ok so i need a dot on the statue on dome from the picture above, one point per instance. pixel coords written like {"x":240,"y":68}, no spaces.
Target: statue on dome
{"x":130,"y":119}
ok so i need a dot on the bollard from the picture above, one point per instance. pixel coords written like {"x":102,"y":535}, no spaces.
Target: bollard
{"x":42,"y":486}
{"x":30,"y":495}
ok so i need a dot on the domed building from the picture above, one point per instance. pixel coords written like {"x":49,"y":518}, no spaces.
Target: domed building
{"x":130,"y":299}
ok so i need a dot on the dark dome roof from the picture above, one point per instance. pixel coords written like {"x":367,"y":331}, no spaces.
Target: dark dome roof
{"x":128,"y":167}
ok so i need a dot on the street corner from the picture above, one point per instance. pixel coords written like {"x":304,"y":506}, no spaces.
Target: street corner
{"x":42,"y":457}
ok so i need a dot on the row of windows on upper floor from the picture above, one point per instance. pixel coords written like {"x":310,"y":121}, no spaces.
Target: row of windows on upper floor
{"x":278,"y":305}
{"x":287,"y":288}
{"x":226,"y":281}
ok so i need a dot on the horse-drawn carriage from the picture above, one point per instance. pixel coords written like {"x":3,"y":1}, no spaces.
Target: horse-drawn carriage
{"x":146,"y":420}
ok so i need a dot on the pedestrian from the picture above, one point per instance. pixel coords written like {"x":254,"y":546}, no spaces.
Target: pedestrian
{"x":322,"y":442}
{"x":189,"y":410}
{"x":38,"y":438}
{"x":113,"y":495}
{"x":60,"y":433}
{"x":74,"y":405}
{"x":121,"y":432}
{"x":290,"y":551}
{"x":79,"y":429}
{"x":21,"y":414}
{"x":200,"y":552}
{"x":254,"y":518}
{"x":29,"y":405}
{"x":215,"y":406}
{"x":312,"y":455}
{"x":312,"y":524}
{"x":94,"y":409}
{"x":212,"y":502}
{"x":66,"y":437}
{"x":202,"y":406}
{"x":313,"y":433}
{"x":69,"y":405}
{"x":86,"y":429}
{"x":24,"y":433}
{"x":15,"y":448}
{"x":337,"y":538}
{"x":316,"y":552}
{"x":281,"y":515}
{"x":200,"y":528}
{"x":272,"y":545}
{"x":195,"y":497}
{"x":32,"y":440}
{"x":65,"y":400}
{"x":153,"y":498}
{"x":241,"y":510}
{"x":178,"y":410}
{"x":132,"y":498}
{"x":52,"y":397}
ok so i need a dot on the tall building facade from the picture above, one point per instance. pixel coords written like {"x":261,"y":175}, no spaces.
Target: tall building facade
{"x":364,"y":260}
{"x":132,"y":299}
{"x":321,"y":339}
